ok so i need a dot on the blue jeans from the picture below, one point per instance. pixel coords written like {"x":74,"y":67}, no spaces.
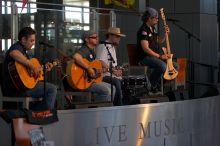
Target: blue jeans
{"x":38,"y":92}
{"x":102,"y":91}
{"x":118,"y":93}
{"x":159,"y":67}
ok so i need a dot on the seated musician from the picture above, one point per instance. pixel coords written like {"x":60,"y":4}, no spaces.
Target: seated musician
{"x":102,"y":89}
{"x":148,"y":47}
{"x":106,"y":52}
{"x":17,"y":53}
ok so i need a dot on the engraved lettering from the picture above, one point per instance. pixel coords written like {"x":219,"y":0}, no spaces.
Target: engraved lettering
{"x":122,"y":133}
{"x":167,"y":127}
{"x":109,"y":135}
{"x":181,"y":125}
{"x":97,"y":135}
{"x":143,"y":133}
{"x":174,"y":126}
{"x":157,"y":128}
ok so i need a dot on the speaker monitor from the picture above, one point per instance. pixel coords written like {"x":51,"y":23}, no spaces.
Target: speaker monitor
{"x":177,"y":95}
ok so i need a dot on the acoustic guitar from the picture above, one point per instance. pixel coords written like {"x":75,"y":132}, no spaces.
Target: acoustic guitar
{"x":78,"y":77}
{"x":22,"y":76}
{"x":171,"y":72}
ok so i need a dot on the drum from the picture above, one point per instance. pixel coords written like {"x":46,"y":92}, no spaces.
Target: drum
{"x":134,"y":81}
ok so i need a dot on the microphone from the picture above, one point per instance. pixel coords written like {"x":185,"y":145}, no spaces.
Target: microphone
{"x":104,"y":42}
{"x":46,"y":44}
{"x":173,"y":20}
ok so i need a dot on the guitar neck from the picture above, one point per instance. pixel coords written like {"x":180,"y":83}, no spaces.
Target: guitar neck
{"x":167,"y":43}
{"x":166,"y":34}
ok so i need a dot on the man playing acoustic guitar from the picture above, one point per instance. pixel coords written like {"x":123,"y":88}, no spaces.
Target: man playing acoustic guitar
{"x":83,"y":58}
{"x":149,"y":49}
{"x":17,"y":56}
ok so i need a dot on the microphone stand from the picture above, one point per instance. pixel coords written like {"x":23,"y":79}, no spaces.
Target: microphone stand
{"x":44,"y":68}
{"x":111,"y":61}
{"x":189,"y":36}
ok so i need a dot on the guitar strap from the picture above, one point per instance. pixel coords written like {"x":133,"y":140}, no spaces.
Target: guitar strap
{"x":109,"y":54}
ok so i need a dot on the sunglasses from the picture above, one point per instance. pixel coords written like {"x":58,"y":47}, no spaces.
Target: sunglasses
{"x":93,"y":37}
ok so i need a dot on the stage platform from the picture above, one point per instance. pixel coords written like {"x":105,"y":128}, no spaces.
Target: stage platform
{"x":180,"y":123}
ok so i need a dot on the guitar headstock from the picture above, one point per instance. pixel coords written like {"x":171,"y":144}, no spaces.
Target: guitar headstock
{"x":162,"y":14}
{"x":123,"y":67}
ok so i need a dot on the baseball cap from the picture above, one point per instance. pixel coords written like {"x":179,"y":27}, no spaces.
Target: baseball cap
{"x":152,"y":12}
{"x":87,"y":34}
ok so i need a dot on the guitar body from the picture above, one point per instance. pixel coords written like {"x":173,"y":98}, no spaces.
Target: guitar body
{"x":21,"y":76}
{"x":170,"y":72}
{"x":78,"y":77}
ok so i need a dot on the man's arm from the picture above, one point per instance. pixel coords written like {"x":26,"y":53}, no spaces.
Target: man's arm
{"x":79,"y":61}
{"x":19,"y":57}
{"x":148,"y":50}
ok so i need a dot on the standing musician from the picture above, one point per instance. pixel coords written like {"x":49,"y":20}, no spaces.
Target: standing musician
{"x":149,"y":47}
{"x":17,"y":53}
{"x":106,"y":52}
{"x":90,"y":41}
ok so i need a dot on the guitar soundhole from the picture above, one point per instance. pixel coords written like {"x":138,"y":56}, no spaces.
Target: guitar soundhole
{"x":170,"y":73}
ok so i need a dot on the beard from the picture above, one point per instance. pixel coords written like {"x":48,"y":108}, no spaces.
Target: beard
{"x":115,"y":43}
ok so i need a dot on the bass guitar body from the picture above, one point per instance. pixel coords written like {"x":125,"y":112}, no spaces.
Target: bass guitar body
{"x":170,"y":72}
{"x":78,"y":77}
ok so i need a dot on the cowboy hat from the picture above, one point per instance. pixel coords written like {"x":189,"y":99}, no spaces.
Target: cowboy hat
{"x":115,"y":31}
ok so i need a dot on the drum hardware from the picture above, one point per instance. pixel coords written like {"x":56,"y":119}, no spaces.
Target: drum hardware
{"x":135,"y":86}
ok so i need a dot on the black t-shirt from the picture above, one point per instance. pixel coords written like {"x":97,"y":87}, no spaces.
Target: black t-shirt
{"x":8,"y":86}
{"x":87,"y":53}
{"x":144,"y":33}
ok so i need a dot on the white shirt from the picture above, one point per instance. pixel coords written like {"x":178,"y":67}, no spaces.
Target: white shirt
{"x":102,"y":54}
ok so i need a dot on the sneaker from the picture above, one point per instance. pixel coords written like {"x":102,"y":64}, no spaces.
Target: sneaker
{"x":154,"y":91}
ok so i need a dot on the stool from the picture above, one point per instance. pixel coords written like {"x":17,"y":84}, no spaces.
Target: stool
{"x":134,"y":61}
{"x":24,"y":100}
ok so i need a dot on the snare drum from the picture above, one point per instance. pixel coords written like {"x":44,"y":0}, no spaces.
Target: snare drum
{"x":134,"y":81}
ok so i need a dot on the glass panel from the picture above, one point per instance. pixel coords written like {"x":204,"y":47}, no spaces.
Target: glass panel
{"x":3,"y":7}
{"x":86,"y":16}
{"x":20,"y":10}
{"x":33,"y":8}
{"x":73,"y":14}
{"x":3,"y":45}
{"x":8,"y":9}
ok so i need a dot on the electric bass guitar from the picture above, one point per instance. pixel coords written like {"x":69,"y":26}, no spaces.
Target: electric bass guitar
{"x":22,"y":77}
{"x":171,"y":72}
{"x":78,"y":77}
